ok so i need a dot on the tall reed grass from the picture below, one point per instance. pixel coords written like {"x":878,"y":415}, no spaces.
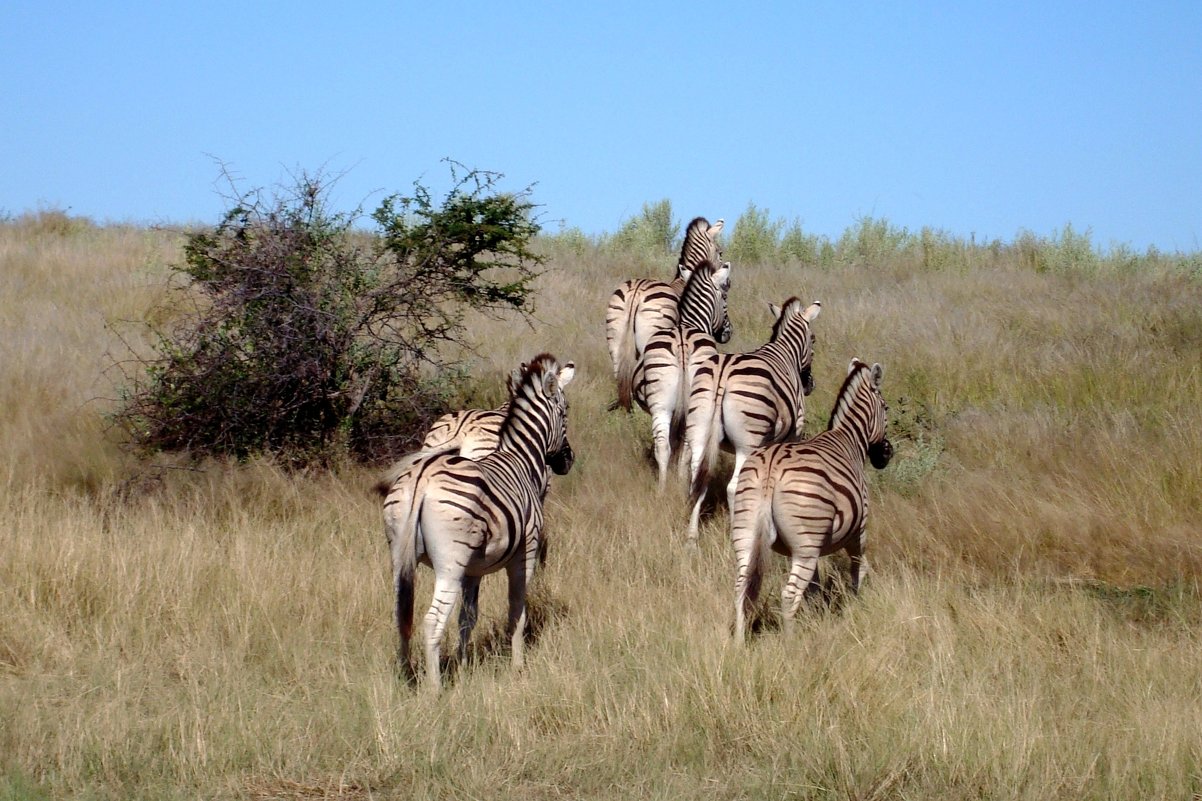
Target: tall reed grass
{"x":1030,"y":628}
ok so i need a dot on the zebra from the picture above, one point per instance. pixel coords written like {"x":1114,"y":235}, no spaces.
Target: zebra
{"x":809,"y":499}
{"x":468,"y":518}
{"x":641,"y":306}
{"x":664,"y":374}
{"x":749,"y":400}
{"x":471,"y":432}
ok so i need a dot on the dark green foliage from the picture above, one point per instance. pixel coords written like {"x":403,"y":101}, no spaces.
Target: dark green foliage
{"x":301,"y":336}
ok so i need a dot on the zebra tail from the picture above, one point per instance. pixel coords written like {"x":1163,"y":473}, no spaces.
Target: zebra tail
{"x":680,"y":411}
{"x":759,"y":550}
{"x":401,"y":514}
{"x":627,"y":360}
{"x":400,"y":521}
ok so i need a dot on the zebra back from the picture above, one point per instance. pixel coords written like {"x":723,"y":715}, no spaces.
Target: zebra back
{"x":470,"y":432}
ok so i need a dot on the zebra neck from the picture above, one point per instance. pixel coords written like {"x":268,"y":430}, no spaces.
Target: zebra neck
{"x":788,"y":345}
{"x":855,"y":434}
{"x":694,"y":315}
{"x":522,"y":437}
{"x":849,"y":416}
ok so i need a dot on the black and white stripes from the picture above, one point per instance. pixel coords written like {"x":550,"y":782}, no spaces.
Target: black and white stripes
{"x":809,"y":499}
{"x":663,"y":377}
{"x":642,"y":306}
{"x":749,"y":400}
{"x":467,"y":518}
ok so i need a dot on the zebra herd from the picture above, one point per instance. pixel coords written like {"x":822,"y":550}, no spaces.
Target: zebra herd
{"x":470,"y":502}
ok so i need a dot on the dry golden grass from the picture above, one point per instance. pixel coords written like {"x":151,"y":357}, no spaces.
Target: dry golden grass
{"x":1030,"y":629}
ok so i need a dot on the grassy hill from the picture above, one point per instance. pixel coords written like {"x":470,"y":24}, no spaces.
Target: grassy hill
{"x":1030,"y":630}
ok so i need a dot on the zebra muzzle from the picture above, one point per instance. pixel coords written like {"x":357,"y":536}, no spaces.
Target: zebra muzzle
{"x":879,"y":453}
{"x":561,"y":461}
{"x":807,"y":381}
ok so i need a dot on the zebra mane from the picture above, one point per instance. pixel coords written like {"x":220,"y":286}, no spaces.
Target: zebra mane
{"x":531,"y":372}
{"x":856,"y":376}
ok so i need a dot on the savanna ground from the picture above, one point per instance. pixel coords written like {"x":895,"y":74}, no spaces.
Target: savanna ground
{"x":1031,"y":628}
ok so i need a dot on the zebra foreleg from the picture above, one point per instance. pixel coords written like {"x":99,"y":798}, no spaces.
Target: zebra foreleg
{"x":859,"y":565}
{"x":469,"y":613}
{"x":518,"y":571}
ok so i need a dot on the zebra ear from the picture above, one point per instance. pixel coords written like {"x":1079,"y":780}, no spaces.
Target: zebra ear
{"x":566,"y":374}
{"x":855,"y":362}
{"x":514,"y":381}
{"x":878,"y":373}
{"x":774,"y":309}
{"x":812,"y":311}
{"x":715,"y":229}
{"x":722,"y":275}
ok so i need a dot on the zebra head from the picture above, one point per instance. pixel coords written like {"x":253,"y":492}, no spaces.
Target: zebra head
{"x":793,"y":327}
{"x":861,"y":400}
{"x":724,"y":330}
{"x":537,"y":388}
{"x":700,"y":245}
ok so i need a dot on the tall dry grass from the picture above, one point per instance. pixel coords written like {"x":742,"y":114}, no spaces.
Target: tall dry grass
{"x":1030,"y":629}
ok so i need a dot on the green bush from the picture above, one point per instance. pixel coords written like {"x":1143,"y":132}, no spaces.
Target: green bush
{"x":653,"y":233}
{"x":300,"y":335}
{"x":872,"y":241}
{"x":756,"y":237}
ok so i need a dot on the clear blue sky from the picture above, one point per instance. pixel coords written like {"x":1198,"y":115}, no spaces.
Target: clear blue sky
{"x":974,"y":118}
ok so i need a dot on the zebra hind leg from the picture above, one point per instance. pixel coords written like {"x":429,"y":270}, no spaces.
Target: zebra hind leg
{"x":446,"y":594}
{"x":404,"y":619}
{"x":469,"y":613}
{"x":803,"y":566}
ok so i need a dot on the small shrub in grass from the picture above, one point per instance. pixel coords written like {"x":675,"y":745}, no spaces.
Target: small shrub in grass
{"x":1065,"y":251}
{"x":806,"y":248}
{"x":653,"y":233}
{"x":872,"y":241}
{"x":298,"y":335}
{"x":756,"y":238}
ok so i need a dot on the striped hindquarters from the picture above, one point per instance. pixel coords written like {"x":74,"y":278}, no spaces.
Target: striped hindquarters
{"x":637,"y":309}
